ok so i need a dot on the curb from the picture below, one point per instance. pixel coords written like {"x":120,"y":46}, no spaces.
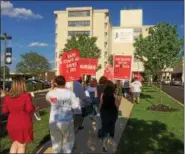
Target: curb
{"x":170,"y":96}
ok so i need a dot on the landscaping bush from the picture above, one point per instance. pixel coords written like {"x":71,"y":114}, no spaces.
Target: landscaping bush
{"x":39,"y":86}
{"x":29,"y":87}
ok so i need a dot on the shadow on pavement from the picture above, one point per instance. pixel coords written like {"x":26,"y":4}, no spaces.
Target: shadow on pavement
{"x":144,"y":96}
{"x":148,"y":137}
{"x":87,"y":140}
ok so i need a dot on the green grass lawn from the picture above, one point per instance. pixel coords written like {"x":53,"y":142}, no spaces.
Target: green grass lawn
{"x":154,"y":131}
{"x":41,"y":134}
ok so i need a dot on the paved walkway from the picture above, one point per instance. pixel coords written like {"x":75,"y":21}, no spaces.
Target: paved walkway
{"x":87,"y":141}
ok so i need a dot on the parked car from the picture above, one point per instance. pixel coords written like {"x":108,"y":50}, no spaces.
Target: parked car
{"x":7,"y":85}
{"x":47,"y":84}
{"x":166,"y":82}
{"x":176,"y":82}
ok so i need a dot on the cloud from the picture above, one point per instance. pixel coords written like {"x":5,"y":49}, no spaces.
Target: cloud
{"x":7,"y":9}
{"x":37,"y":44}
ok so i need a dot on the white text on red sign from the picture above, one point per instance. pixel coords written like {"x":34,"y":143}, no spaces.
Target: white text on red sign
{"x":90,"y":67}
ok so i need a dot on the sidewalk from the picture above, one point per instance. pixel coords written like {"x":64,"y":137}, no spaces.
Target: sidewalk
{"x":87,"y":141}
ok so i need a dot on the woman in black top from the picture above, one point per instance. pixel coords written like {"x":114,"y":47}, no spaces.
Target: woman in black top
{"x":109,"y":112}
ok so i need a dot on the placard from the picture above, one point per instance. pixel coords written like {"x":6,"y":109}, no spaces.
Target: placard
{"x":122,"y":67}
{"x":88,"y":66}
{"x":69,"y":66}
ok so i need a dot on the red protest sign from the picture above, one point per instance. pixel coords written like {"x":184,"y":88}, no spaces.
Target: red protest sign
{"x":88,"y":66}
{"x":69,"y":66}
{"x":109,"y":72}
{"x":122,"y":67}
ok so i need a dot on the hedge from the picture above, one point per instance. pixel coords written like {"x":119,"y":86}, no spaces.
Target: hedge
{"x":33,"y":87}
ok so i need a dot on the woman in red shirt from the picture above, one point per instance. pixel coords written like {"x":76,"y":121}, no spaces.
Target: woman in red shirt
{"x":20,"y":108}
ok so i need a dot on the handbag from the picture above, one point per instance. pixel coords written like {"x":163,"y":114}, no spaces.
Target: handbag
{"x":88,"y":109}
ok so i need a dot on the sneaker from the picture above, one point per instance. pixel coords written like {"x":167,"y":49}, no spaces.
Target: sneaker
{"x":113,"y":145}
{"x":104,"y":148}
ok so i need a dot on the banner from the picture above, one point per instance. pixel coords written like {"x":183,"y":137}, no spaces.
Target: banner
{"x":123,"y":35}
{"x":122,"y":67}
{"x":109,"y":72}
{"x":88,"y":66}
{"x":69,"y":66}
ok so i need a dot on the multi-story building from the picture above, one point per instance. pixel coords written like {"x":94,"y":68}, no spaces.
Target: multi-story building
{"x":86,"y":20}
{"x":123,"y":36}
{"x":111,"y":40}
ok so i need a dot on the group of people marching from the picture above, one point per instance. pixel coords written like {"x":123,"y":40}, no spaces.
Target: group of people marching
{"x":70,"y":104}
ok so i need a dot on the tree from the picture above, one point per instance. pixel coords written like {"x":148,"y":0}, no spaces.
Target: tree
{"x":32,"y":63}
{"x":86,"y":45}
{"x":7,"y":71}
{"x":160,"y":49}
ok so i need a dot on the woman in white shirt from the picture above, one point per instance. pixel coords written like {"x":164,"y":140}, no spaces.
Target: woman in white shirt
{"x":62,"y":101}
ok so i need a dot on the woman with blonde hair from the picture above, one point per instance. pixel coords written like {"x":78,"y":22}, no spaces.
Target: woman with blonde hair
{"x":17,"y":102}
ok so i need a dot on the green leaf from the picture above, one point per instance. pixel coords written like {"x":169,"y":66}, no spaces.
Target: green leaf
{"x":86,"y":45}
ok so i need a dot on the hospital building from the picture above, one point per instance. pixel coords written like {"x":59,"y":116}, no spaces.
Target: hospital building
{"x":110,"y":39}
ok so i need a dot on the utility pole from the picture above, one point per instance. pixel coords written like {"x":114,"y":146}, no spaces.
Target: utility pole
{"x":5,"y":37}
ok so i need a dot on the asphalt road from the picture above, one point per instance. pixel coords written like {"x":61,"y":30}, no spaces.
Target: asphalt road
{"x":40,"y":100}
{"x":177,"y":92}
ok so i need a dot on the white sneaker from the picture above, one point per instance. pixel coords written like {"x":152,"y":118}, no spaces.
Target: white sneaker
{"x":113,"y":145}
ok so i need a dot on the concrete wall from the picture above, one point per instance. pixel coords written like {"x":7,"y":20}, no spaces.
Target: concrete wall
{"x":131,"y":18}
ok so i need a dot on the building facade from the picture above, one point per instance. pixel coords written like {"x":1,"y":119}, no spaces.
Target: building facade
{"x":85,"y":20}
{"x":123,"y":37}
{"x":110,"y":40}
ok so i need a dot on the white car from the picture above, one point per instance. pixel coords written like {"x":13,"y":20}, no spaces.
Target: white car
{"x":166,"y":82}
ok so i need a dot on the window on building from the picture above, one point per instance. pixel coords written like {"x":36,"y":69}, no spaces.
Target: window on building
{"x":72,"y":33}
{"x":135,"y":37}
{"x":105,"y":53}
{"x":137,"y":30}
{"x":105,"y":44}
{"x":79,"y":23}
{"x":106,"y":25}
{"x":84,"y":13}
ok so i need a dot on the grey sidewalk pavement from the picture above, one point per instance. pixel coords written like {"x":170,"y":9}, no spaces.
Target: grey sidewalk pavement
{"x":87,"y":140}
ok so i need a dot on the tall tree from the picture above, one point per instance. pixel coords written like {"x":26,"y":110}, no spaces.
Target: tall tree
{"x":160,"y":49}
{"x":32,"y":63}
{"x":7,"y":71}
{"x":86,"y":45}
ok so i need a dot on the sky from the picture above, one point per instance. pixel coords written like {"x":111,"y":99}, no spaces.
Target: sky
{"x":32,"y":24}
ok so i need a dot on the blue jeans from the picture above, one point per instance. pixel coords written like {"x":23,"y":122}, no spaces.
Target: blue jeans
{"x":95,"y":109}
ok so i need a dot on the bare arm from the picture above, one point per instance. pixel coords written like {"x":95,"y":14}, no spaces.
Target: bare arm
{"x":5,"y":105}
{"x":101,"y":102}
{"x":117,"y":101}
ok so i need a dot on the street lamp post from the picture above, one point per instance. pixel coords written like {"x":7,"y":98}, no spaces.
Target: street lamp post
{"x":5,"y":37}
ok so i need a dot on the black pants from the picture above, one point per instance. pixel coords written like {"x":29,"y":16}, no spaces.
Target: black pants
{"x":78,"y":121}
{"x":108,"y":122}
